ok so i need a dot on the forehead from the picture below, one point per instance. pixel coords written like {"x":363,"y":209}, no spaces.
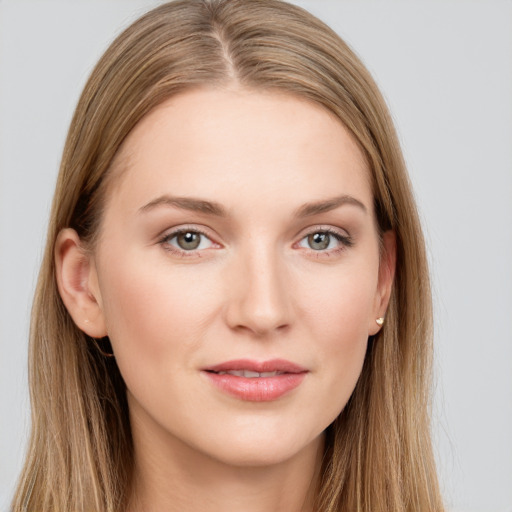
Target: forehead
{"x":226,"y":143}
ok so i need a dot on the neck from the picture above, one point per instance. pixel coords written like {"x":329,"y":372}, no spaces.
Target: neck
{"x":172,"y":476}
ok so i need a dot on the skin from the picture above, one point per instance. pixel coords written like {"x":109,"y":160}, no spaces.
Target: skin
{"x":254,"y":288}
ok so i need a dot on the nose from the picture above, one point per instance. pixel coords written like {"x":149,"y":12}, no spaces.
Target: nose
{"x":259,"y":295}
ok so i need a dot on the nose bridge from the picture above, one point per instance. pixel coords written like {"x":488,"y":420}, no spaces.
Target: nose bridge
{"x":260,"y":302}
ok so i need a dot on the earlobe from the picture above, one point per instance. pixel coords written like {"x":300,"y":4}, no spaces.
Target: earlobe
{"x":77,"y":284}
{"x":387,"y":268}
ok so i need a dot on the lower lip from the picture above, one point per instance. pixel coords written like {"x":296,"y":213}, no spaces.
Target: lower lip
{"x":257,"y":389}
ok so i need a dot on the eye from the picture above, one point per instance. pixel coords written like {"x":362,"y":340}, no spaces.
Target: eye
{"x":325,"y":240}
{"x":187,"y":240}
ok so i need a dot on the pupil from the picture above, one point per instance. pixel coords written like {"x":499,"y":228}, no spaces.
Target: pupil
{"x":319,"y":241}
{"x":189,"y":241}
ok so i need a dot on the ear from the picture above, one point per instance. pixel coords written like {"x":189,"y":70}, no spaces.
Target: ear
{"x":77,"y":282}
{"x":387,"y":267}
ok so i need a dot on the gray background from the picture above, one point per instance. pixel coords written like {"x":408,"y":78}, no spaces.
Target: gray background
{"x":445,"y":68}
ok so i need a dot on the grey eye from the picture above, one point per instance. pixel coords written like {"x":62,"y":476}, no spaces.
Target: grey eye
{"x":319,"y":241}
{"x":188,"y":241}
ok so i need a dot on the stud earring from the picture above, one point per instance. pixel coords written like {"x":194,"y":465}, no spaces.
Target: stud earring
{"x":380,"y":321}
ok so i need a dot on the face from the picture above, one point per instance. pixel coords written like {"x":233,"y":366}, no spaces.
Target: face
{"x":237,"y":273}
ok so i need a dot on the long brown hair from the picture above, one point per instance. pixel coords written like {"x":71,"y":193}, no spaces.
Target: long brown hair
{"x":378,"y":451}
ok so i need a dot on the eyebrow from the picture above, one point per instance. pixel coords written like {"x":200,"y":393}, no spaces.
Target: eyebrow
{"x":326,"y":205}
{"x":187,"y":203}
{"x":216,"y":209}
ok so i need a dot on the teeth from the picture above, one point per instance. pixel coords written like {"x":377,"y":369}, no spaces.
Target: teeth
{"x":248,"y":374}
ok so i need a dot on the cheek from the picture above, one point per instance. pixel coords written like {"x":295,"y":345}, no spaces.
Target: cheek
{"x":337,"y":312}
{"x":339,"y":304}
{"x":154,"y":310}
{"x":343,"y":322}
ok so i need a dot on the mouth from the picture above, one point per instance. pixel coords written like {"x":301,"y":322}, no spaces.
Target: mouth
{"x":251,"y":368}
{"x":248,"y":374}
{"x":256,"y":381}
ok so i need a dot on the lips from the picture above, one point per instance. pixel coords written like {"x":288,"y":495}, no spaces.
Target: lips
{"x":256,"y":381}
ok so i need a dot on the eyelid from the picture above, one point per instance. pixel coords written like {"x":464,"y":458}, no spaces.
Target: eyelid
{"x":183,"y":228}
{"x":324,"y":228}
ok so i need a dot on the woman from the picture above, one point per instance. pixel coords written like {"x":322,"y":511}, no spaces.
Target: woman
{"x":234,"y":308}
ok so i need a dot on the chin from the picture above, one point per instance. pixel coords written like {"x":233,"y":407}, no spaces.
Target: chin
{"x":262,"y":450}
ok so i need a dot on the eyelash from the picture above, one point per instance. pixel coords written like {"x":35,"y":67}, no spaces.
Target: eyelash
{"x":345,"y":241}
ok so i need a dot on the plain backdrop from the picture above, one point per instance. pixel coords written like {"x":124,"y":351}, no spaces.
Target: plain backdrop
{"x":445,"y":68}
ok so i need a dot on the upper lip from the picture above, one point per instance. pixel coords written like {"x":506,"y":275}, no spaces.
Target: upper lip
{"x":273,"y":365}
